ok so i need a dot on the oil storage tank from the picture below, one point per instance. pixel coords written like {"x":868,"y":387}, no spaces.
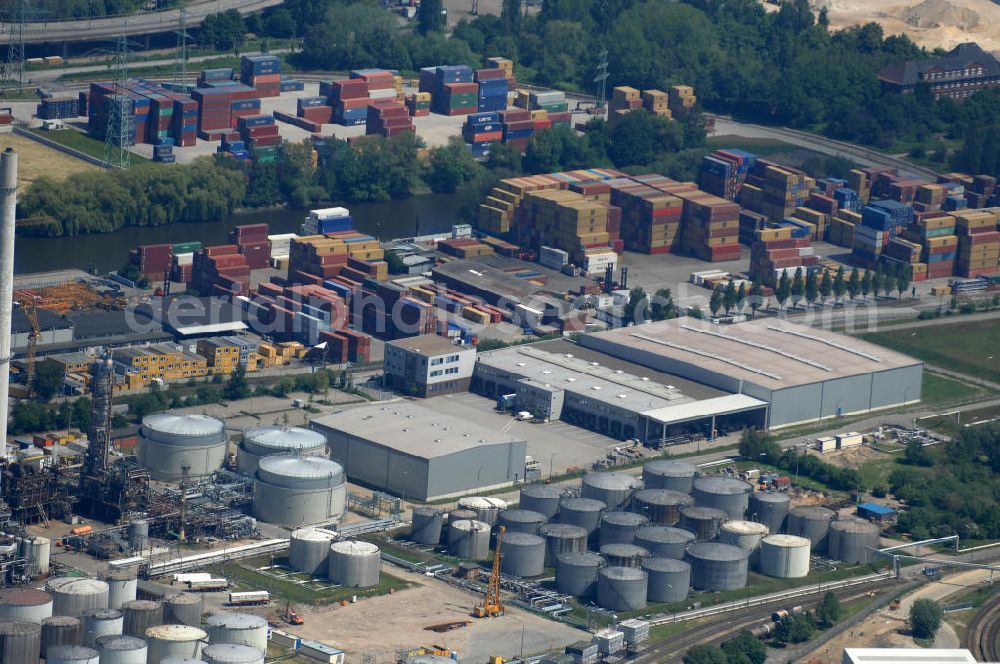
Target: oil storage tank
{"x":583,"y":512}
{"x":426,"y":527}
{"x":459,"y":514}
{"x":521,"y":521}
{"x":174,"y":641}
{"x":20,"y":642}
{"x":523,"y":554}
{"x":576,"y":573}
{"x":469,"y":539}
{"x":292,"y":491}
{"x":486,"y":508}
{"x":124,"y":650}
{"x":664,"y":541}
{"x":101,"y":622}
{"x":661,"y":506}
{"x":717,"y":566}
{"x":138,"y":535}
{"x":140,"y":615}
{"x":541,"y":498}
{"x":620,"y":527}
{"x":72,"y":655}
{"x":770,"y":508}
{"x":624,"y":555}
{"x":813,"y":523}
{"x":562,"y":538}
{"x":38,"y":550}
{"x":704,"y":522}
{"x":669,"y":579}
{"x":354,"y":564}
{"x":670,"y":475}
{"x":622,"y":588}
{"x":784,"y":556}
{"x":169,"y":440}
{"x":852,"y":540}
{"x":309,"y":550}
{"x":232,"y":653}
{"x":260,"y":442}
{"x":182,"y":609}
{"x":24,"y":605}
{"x":613,"y":489}
{"x":242,"y":628}
{"x":744,"y":534}
{"x":729,"y":494}
{"x":61,"y":631}
{"x":74,"y":595}
{"x":122,"y":587}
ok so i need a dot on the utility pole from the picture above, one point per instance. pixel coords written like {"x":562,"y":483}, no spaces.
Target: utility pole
{"x":601,"y":78}
{"x":14,"y":68}
{"x":116,"y":135}
{"x":180,"y":57}
{"x":185,"y":470}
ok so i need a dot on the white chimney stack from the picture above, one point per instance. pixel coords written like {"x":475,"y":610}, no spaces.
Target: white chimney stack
{"x":8,"y":183}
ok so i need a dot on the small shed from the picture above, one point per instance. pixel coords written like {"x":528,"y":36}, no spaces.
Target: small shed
{"x":877,"y":513}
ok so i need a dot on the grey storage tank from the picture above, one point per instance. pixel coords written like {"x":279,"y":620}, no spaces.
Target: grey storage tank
{"x":576,"y":573}
{"x":744,"y":534}
{"x":541,"y":498}
{"x":72,"y":655}
{"x":260,"y":442}
{"x":24,"y":605}
{"x":813,"y":523}
{"x":462,"y":515}
{"x":232,"y":653}
{"x":138,"y":535}
{"x":669,"y":579}
{"x":523,"y":554}
{"x":521,"y":521}
{"x":583,"y":512}
{"x":770,"y":508}
{"x":784,"y":556}
{"x":852,"y":540}
{"x":624,"y":555}
{"x":661,"y":506}
{"x":717,"y":566}
{"x":122,"y":587}
{"x":664,"y":541}
{"x":704,"y":522}
{"x":562,"y":538}
{"x":729,"y":494}
{"x":355,"y":564}
{"x":613,"y":489}
{"x":622,"y":588}
{"x":124,"y":650}
{"x":74,"y":595}
{"x":469,"y":539}
{"x":20,"y":642}
{"x":61,"y":631}
{"x":671,"y":475}
{"x":427,"y":524}
{"x":140,"y":615}
{"x":101,"y":622}
{"x":241,"y":628}
{"x":486,"y":508}
{"x":309,"y":550}
{"x":174,"y":641}
{"x":620,"y":527}
{"x":182,"y":609}
{"x":169,"y":440}
{"x":292,"y":491}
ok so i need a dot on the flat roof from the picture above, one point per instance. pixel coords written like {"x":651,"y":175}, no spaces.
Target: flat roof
{"x":875,"y":508}
{"x":413,"y":429}
{"x":908,"y":656}
{"x":428,"y":345}
{"x":772,"y":353}
{"x":729,"y":404}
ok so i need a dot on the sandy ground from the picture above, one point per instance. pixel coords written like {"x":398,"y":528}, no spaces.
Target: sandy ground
{"x":36,"y":160}
{"x":930,"y":23}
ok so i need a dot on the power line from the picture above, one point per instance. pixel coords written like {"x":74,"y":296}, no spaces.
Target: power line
{"x":13,"y":74}
{"x":180,"y":61}
{"x":120,"y":112}
{"x":601,"y":77}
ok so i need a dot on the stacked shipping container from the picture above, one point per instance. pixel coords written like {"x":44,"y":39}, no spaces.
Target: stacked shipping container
{"x":388,"y":118}
{"x":263,"y":73}
{"x":452,"y":89}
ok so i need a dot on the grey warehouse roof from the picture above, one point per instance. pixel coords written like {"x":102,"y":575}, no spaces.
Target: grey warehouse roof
{"x":428,"y":345}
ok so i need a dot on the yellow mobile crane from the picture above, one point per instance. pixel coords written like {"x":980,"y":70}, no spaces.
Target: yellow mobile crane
{"x":491,"y":605}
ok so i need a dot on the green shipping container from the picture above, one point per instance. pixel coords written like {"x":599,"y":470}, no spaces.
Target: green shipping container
{"x":187,"y":247}
{"x":555,"y":108}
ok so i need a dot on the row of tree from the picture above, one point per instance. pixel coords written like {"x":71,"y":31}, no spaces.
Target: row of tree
{"x":761,"y":446}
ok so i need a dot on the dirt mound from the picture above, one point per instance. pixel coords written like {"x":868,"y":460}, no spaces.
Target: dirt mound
{"x":941,"y":14}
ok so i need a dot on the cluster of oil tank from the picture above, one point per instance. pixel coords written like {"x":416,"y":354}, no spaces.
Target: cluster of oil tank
{"x":349,"y":563}
{"x":628,"y":541}
{"x":79,"y":620}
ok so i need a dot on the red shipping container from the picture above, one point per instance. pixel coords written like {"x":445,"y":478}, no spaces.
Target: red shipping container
{"x":487,"y":136}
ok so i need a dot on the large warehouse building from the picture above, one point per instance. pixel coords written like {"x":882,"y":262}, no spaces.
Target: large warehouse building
{"x":411,"y":451}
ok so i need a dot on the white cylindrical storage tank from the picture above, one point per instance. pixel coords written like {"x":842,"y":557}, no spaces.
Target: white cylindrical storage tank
{"x":138,"y":535}
{"x":20,"y":642}
{"x":61,"y":631}
{"x":669,"y":579}
{"x":469,"y":539}
{"x":174,"y":641}
{"x":523,"y":554}
{"x":667,"y":474}
{"x":624,"y":555}
{"x":521,"y":521}
{"x":486,"y":508}
{"x":813,"y":523}
{"x":241,"y":628}
{"x":744,"y":534}
{"x":562,"y":538}
{"x":613,"y":489}
{"x":622,"y":588}
{"x":661,"y":506}
{"x":717,"y":566}
{"x":122,"y":587}
{"x":140,"y":615}
{"x":123,"y":650}
{"x":168,"y":440}
{"x":784,"y":556}
{"x":182,"y":609}
{"x":620,"y":527}
{"x":72,"y":655}
{"x":39,"y":551}
{"x":426,"y":527}
{"x":664,"y":541}
{"x":260,"y":442}
{"x":24,"y":605}
{"x":704,"y":522}
{"x":292,"y":491}
{"x":355,"y":564}
{"x":576,"y":573}
{"x":852,"y":540}
{"x":182,"y":660}
{"x":541,"y":498}
{"x":101,"y":622}
{"x":770,"y":508}
{"x":231,"y":653}
{"x":309,"y":551}
{"x":73,"y":595}
{"x":583,"y":512}
{"x":729,"y":494}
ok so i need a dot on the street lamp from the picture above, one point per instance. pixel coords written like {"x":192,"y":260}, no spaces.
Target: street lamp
{"x":552,"y":460}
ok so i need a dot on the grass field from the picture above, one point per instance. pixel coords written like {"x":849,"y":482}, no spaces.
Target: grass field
{"x":938,"y":389}
{"x":967,"y":348}
{"x":85,"y":144}
{"x":952,"y":424}
{"x":35,"y":160}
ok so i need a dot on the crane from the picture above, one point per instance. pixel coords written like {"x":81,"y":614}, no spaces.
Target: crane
{"x":492,"y":606}
{"x":291,"y":617}
{"x":28,"y":304}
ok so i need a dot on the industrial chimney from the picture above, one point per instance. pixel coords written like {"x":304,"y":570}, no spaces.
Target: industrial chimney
{"x":8,"y":183}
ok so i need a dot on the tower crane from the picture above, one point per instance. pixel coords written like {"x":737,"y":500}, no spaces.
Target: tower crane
{"x":29,"y":307}
{"x":492,"y":605}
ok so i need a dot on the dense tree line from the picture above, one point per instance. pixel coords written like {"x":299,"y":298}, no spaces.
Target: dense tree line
{"x":41,"y":10}
{"x":761,"y":446}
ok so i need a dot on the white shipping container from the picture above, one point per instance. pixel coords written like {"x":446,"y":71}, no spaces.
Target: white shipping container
{"x":329,"y":213}
{"x":321,"y":652}
{"x":699,"y":278}
{"x":826,"y":444}
{"x":384,"y":93}
{"x":851,"y":439}
{"x":461,"y":231}
{"x":184,"y":259}
{"x":602,"y":300}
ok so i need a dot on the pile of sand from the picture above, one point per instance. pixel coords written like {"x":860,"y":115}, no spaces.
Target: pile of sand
{"x":941,"y":14}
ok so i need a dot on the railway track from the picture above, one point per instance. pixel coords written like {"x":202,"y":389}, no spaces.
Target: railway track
{"x":984,"y":630}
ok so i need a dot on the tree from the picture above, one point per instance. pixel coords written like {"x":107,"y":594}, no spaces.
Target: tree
{"x":826,"y":286}
{"x":717,"y":300}
{"x":794,"y":628}
{"x":916,"y":454}
{"x":854,"y":284}
{"x":450,"y":166}
{"x":662,"y":305}
{"x":889,"y":280}
{"x":866,"y":284}
{"x":759,"y":445}
{"x":784,"y":288}
{"x":903,"y":278}
{"x":431,"y":17}
{"x":756,"y":295}
{"x":925,"y":618}
{"x":730,"y":297}
{"x":745,"y":648}
{"x":639,"y":137}
{"x":877,"y":280}
{"x":279,"y":23}
{"x":237,"y":387}
{"x":696,"y":312}
{"x":48,"y":379}
{"x":510,"y":15}
{"x":812,"y":288}
{"x":635,"y":308}
{"x":223,"y":31}
{"x":798,"y":288}
{"x":828,"y":611}
{"x":705,"y":655}
{"x":839,"y":285}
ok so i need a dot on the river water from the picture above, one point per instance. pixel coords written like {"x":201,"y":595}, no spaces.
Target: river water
{"x":109,"y":251}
